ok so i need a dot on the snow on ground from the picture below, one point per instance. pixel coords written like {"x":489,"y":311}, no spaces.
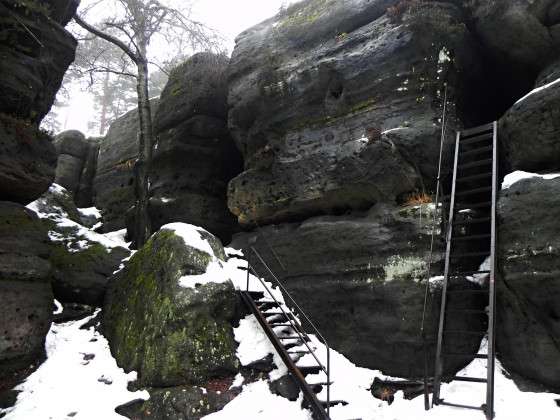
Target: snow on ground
{"x":516,"y":176}
{"x":90,"y":212}
{"x":118,"y":236}
{"x":539,"y":89}
{"x":256,"y":402}
{"x":80,"y":380}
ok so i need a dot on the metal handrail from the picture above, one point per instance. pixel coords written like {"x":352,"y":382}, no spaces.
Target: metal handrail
{"x":291,"y":319}
{"x":430,"y":259}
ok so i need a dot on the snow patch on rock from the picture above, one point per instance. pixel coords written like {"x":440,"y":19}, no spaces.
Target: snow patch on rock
{"x":517,"y":176}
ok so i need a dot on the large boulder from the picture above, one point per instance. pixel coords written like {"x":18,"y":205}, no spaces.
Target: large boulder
{"x":195,"y":157}
{"x":338,"y":105}
{"x":36,"y":50}
{"x":25,"y":289}
{"x":530,"y":129}
{"x":83,"y":197}
{"x":529,"y":289}
{"x":72,"y":149}
{"x":525,"y":34}
{"x":168,"y":313}
{"x":82,"y":260}
{"x":113,"y":186}
{"x":27,"y":160}
{"x":362,"y":280}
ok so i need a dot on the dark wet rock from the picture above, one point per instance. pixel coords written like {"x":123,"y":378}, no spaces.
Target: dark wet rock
{"x":178,"y":403}
{"x":361,"y":278}
{"x":286,"y":387}
{"x":32,"y":67}
{"x":195,"y":157}
{"x":73,"y":312}
{"x":82,"y":261}
{"x":113,"y":186}
{"x":529,"y":130}
{"x":171,"y":335}
{"x":83,"y":197}
{"x":523,"y":34}
{"x":528,"y":290}
{"x":27,"y":160}
{"x":337,"y":106}
{"x":76,"y":166}
{"x":25,"y":289}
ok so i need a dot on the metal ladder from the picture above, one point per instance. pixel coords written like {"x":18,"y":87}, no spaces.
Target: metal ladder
{"x":471,"y":224}
{"x":285,"y":332}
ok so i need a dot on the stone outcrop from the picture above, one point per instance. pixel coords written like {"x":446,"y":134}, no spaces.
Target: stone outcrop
{"x":82,"y":260}
{"x":529,"y":130}
{"x":171,"y":334}
{"x":76,"y":165}
{"x":195,"y":157}
{"x":113,"y":186}
{"x":529,"y":290}
{"x":336,"y":105}
{"x":524,"y":34}
{"x":27,"y":160}
{"x":35,"y":51}
{"x":25,"y":289}
{"x":362,"y":279}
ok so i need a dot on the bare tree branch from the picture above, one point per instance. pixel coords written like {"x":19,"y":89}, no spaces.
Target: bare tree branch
{"x":107,"y":37}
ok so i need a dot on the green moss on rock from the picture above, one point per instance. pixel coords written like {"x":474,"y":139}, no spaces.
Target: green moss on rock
{"x":171,"y":335}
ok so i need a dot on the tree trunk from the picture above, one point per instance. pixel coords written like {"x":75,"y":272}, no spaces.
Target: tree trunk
{"x":142,"y":167}
{"x":104,"y":105}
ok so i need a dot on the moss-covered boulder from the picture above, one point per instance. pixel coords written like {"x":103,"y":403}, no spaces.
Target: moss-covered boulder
{"x":168,"y":313}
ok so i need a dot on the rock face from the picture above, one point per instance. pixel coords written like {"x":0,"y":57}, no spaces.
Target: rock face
{"x":171,"y":335}
{"x":32,"y":67}
{"x":31,"y":71}
{"x":25,"y":289}
{"x":113,"y":186}
{"x":529,"y":130}
{"x":195,"y":156}
{"x":76,"y":165}
{"x":27,"y":160}
{"x":336,"y":105}
{"x":529,"y":31}
{"x":362,"y":280}
{"x":82,"y":260}
{"x":529,"y":291}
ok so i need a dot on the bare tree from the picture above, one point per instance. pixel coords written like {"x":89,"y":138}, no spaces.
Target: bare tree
{"x":136,"y":24}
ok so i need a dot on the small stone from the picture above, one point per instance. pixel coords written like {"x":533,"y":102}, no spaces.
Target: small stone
{"x":106,"y":381}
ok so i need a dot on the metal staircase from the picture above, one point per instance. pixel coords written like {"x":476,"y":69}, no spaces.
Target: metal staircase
{"x":470,"y":238}
{"x":287,"y":335}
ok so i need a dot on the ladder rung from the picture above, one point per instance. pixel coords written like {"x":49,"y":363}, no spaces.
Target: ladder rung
{"x":267,"y":314}
{"x":476,"y":151}
{"x":471,"y":237}
{"x":470,"y":407}
{"x":477,"y":130}
{"x":464,"y":332}
{"x":467,"y":206}
{"x":473,"y":355}
{"x":474,"y":177}
{"x":485,"y":291}
{"x":477,"y":139}
{"x":473,"y":191}
{"x":274,"y":325}
{"x":475,"y":164}
{"x":468,"y":311}
{"x":470,"y":254}
{"x":469,"y":379}
{"x":468,"y":273}
{"x":291,"y":337}
{"x":472,"y":221}
{"x":299,"y":352}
